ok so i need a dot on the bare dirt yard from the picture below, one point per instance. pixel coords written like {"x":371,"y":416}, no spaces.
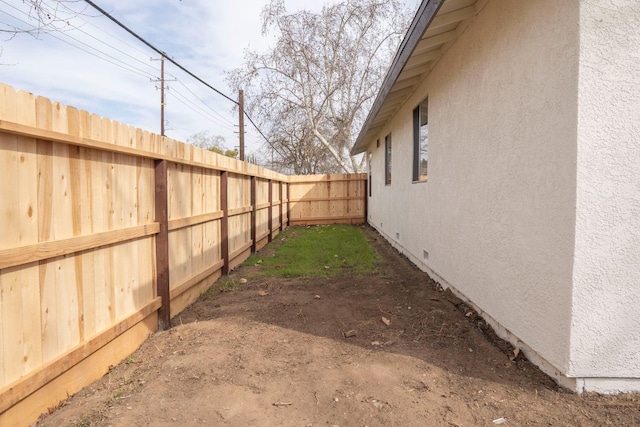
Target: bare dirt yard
{"x":317,"y":352}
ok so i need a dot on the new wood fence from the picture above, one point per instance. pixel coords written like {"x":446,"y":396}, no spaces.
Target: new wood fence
{"x":106,"y":231}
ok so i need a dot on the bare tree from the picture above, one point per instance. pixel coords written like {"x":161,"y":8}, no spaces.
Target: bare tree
{"x":313,"y":87}
{"x":298,"y":150}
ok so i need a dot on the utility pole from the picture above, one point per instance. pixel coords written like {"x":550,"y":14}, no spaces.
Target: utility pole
{"x":241,"y":122}
{"x":162,"y":88}
{"x":162,"y":96}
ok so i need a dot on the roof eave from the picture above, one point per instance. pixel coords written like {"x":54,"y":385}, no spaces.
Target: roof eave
{"x":426,"y":12}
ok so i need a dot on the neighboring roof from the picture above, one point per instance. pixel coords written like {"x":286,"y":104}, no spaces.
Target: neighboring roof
{"x":436,"y":26}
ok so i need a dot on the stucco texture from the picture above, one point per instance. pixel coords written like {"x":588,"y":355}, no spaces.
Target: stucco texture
{"x":605,"y":336}
{"x":497,"y":213}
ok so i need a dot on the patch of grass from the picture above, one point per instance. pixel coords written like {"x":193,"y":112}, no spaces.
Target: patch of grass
{"x":221,"y":286}
{"x":317,"y":251}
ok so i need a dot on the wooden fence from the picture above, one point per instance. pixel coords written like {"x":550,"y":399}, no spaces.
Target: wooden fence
{"x":318,"y":199}
{"x":106,"y":231}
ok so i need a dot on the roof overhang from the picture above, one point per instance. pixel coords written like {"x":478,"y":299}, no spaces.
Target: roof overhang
{"x":435,"y":27}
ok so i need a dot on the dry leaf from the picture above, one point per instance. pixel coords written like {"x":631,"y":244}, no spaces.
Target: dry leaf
{"x":375,"y":342}
{"x":349,"y":334}
{"x":316,"y":297}
{"x":326,"y":267}
{"x":514,"y":354}
{"x":243,"y":280}
{"x":386,"y":321}
{"x":263,"y":293}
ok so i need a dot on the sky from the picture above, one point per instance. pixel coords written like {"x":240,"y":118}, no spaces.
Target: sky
{"x":90,"y":63}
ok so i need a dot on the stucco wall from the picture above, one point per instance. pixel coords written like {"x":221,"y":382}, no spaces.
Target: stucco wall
{"x":497,"y":213}
{"x":605,"y":338}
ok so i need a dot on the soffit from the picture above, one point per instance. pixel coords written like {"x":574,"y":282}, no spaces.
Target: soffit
{"x":436,"y":26}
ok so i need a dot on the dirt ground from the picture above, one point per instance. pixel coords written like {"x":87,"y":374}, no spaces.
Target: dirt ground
{"x":273,"y":352}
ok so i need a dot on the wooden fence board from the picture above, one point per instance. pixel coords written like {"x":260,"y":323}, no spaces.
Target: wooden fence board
{"x":51,"y":370}
{"x":54,"y":248}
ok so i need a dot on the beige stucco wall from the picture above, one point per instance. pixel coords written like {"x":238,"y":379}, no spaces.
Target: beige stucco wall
{"x":605,"y":337}
{"x":497,"y":213}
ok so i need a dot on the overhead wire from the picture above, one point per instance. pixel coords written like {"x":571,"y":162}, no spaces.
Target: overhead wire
{"x":205,"y":104}
{"x":113,"y":60}
{"x":174,"y":62}
{"x":115,"y":48}
{"x":158,"y":51}
{"x":198,"y":110}
{"x":124,"y":42}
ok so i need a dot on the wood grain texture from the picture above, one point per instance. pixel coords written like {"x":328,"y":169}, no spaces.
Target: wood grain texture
{"x":27,"y":410}
{"x":15,"y":392}
{"x":56,"y":248}
{"x":181,"y":288}
{"x":168,"y":151}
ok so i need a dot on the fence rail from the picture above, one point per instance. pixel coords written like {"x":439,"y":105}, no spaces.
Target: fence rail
{"x":107,"y":231}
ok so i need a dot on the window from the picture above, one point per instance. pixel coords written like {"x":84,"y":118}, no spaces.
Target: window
{"x":387,"y":160}
{"x":420,"y":141}
{"x":369,"y":160}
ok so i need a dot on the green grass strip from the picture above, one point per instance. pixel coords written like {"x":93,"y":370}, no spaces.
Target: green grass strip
{"x":317,"y":251}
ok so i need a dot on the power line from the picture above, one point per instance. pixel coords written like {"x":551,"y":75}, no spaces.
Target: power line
{"x":127,"y":29}
{"x":139,"y":50}
{"x":114,"y":48}
{"x":160,"y":52}
{"x":122,"y":64}
{"x":184,"y":101}
{"x":205,"y":104}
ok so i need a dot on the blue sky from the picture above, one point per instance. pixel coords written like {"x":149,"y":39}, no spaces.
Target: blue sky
{"x":207,"y":37}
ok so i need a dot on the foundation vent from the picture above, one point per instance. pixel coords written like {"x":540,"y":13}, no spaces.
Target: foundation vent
{"x":425,"y":255}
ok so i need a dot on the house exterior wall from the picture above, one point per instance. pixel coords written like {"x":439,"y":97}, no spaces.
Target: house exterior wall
{"x":605,"y":337}
{"x":497,"y":213}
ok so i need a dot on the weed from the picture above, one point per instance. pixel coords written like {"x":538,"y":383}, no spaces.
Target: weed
{"x":227,"y":284}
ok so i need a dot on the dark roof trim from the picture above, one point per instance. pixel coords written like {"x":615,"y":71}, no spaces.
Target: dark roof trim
{"x":426,"y":12}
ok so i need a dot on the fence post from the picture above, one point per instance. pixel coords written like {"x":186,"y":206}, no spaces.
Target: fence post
{"x":224,"y":221}
{"x":281,"y":207}
{"x":270,"y":225}
{"x":288,"y":204}
{"x":253,"y":215}
{"x":162,"y":244}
